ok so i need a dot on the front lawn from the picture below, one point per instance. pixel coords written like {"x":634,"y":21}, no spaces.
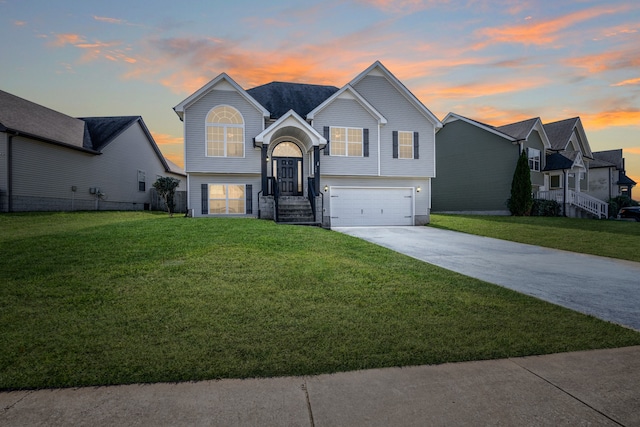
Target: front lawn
{"x":614,"y":239}
{"x":113,"y":298}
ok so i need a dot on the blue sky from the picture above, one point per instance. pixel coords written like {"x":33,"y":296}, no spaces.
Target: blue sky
{"x":494,"y":61}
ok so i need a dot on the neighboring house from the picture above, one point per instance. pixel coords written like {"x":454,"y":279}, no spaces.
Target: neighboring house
{"x":52,"y":162}
{"x":363,"y":154}
{"x":476,"y":162}
{"x":607,"y":177}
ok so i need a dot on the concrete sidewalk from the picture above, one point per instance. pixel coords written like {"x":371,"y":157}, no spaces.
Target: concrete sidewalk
{"x":600,"y":387}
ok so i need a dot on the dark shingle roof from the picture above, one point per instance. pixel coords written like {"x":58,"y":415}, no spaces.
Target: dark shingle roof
{"x":613,"y":157}
{"x":519,"y":130}
{"x":102,"y":130}
{"x":26,"y":117}
{"x":280,"y":97}
{"x":559,"y":133}
{"x":558,"y":161}
{"x":625,"y":180}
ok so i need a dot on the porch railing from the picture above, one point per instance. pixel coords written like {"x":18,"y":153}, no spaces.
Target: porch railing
{"x":583,"y":201}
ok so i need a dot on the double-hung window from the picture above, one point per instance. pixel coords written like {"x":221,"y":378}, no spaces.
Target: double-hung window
{"x":225,"y":132}
{"x":346,"y":141}
{"x":534,"y":159}
{"x":405,"y":145}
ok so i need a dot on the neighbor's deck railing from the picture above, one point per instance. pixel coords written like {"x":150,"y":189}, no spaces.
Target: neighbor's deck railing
{"x":583,"y":201}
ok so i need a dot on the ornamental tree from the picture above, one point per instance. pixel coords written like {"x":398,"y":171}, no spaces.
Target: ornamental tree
{"x":166,"y":188}
{"x":521,"y":199}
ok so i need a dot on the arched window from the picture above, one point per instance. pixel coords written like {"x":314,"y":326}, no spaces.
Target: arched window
{"x":287,"y":149}
{"x":225,"y":132}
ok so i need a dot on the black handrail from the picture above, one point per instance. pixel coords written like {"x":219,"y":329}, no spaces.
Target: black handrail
{"x":276,"y":195}
{"x":311,"y":195}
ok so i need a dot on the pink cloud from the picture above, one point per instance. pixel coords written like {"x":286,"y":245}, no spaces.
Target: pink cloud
{"x":611,"y":60}
{"x":629,"y":82}
{"x":540,"y":33}
{"x":109,"y":20}
{"x":64,"y":39}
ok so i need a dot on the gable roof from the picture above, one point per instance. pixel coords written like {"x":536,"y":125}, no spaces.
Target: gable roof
{"x":452,"y":117}
{"x":560,"y":133}
{"x":103,"y":130}
{"x":564,"y":160}
{"x":381,"y":69}
{"x":224,"y":80}
{"x":36,"y":121}
{"x":349,"y":91}
{"x":280,"y":97}
{"x":291,"y":125}
{"x":520,"y":130}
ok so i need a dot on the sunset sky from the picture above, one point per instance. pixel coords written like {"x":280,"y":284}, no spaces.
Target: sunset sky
{"x":494,"y":61}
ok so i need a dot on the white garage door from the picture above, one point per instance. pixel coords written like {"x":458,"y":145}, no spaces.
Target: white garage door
{"x":352,"y":207}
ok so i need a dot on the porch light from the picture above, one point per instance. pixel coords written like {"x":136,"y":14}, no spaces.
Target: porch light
{"x":326,"y":188}
{"x":418,"y":189}
{"x":267,"y":159}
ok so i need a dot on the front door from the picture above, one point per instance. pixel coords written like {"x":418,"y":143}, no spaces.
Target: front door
{"x":287,"y":173}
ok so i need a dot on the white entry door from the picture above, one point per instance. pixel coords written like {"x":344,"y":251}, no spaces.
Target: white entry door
{"x":367,"y":206}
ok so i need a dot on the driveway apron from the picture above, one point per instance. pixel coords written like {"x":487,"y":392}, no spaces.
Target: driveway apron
{"x":602,"y":287}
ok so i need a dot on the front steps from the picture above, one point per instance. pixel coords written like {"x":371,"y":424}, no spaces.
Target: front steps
{"x":295,"y":210}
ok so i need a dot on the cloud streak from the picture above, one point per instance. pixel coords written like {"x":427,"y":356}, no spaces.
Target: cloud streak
{"x":540,"y":33}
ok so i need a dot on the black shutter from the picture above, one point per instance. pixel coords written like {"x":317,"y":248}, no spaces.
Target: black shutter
{"x":249,"y":195}
{"x":365,"y":142}
{"x":395,"y":143}
{"x":326,"y":136}
{"x":416,"y":146}
{"x":204,"y":194}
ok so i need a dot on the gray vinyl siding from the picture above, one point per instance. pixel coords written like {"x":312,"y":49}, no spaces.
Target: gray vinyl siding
{"x":44,"y":174}
{"x":422,"y":199}
{"x":534,"y":141}
{"x":401,"y":115}
{"x":349,"y":113}
{"x":195,"y":192}
{"x":475,"y":170}
{"x":195,"y":115}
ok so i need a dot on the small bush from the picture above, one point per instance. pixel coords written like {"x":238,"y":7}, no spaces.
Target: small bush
{"x":543,"y":207}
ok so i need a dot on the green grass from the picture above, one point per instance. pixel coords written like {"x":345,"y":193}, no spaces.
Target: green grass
{"x":116,"y":298}
{"x":614,"y":239}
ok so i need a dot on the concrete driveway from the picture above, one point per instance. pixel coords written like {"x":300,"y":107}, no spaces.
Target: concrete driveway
{"x":603,"y":287}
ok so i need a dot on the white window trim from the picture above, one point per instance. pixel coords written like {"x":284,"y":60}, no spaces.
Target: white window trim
{"x":412,"y":146}
{"x":209,"y":199}
{"x":532,"y":159}
{"x":346,"y":142}
{"x":224,"y":126}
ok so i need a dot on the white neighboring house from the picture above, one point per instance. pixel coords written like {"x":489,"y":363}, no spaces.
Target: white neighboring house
{"x":607,"y":177}
{"x":360,"y":155}
{"x":53,"y":162}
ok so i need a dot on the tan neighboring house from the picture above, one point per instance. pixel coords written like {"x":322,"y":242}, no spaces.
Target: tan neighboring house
{"x":53,"y":162}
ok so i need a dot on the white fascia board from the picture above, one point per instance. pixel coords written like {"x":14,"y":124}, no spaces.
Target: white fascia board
{"x":401,"y":88}
{"x":291,"y":118}
{"x":543,"y":134}
{"x":341,"y":93}
{"x":452,"y":117}
{"x":583,"y":136}
{"x":179,"y":109}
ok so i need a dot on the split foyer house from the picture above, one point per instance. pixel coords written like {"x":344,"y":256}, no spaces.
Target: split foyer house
{"x":363,"y":154}
{"x":476,"y":162}
{"x":53,"y":162}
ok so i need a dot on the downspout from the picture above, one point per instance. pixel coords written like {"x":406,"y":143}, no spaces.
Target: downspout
{"x":9,"y":173}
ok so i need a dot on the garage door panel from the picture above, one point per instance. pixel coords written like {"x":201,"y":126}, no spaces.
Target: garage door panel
{"x":371,"y":206}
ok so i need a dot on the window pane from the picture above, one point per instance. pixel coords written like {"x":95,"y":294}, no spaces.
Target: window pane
{"x":338,"y":134}
{"x":338,"y":148}
{"x":217,"y":206}
{"x":355,"y":149}
{"x":405,"y":145}
{"x":235,"y":149}
{"x":287,"y":149}
{"x":217,"y":191}
{"x":236,"y":206}
{"x":224,"y":114}
{"x":236,"y":191}
{"x":215,"y":141}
